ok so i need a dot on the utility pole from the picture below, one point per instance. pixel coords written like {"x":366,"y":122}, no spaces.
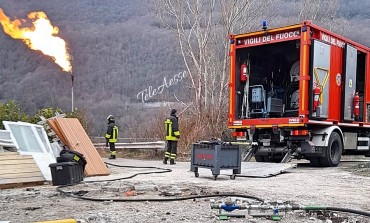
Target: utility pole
{"x":72,"y":79}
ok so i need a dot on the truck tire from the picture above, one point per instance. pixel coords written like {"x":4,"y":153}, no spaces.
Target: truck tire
{"x":333,"y":152}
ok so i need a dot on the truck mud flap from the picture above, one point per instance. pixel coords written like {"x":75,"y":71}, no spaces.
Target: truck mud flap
{"x":308,"y":149}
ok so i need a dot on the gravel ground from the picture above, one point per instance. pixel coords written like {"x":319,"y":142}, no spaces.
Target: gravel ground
{"x":346,"y":186}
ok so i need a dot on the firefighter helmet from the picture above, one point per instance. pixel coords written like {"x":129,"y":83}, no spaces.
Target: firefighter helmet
{"x":110,"y":118}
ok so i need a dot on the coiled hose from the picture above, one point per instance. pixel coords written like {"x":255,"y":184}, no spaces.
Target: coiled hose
{"x":322,"y":208}
{"x":164,"y":170}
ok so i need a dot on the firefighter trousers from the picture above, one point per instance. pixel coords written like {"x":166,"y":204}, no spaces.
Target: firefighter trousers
{"x":171,"y":152}
{"x":112,"y":148}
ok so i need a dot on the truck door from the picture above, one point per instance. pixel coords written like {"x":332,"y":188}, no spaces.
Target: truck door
{"x":320,"y":76}
{"x":350,"y":67}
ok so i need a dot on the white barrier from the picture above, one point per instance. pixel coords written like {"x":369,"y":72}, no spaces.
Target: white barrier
{"x":136,"y":145}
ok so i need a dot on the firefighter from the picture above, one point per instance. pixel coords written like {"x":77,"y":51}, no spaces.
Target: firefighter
{"x":172,"y":136}
{"x":111,"y":136}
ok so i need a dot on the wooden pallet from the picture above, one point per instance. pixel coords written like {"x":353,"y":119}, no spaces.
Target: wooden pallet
{"x":71,"y":132}
{"x":19,"y":170}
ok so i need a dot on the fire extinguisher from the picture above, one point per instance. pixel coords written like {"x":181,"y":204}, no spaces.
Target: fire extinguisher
{"x":316,"y":97}
{"x":356,"y":106}
{"x":244,"y":72}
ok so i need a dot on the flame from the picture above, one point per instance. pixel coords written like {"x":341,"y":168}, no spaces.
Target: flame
{"x":41,"y":36}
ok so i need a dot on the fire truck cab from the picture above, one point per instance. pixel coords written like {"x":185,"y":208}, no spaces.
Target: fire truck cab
{"x":300,"y":91}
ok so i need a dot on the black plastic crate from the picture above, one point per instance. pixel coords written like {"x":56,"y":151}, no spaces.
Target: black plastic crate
{"x":66,"y":173}
{"x":217,"y":157}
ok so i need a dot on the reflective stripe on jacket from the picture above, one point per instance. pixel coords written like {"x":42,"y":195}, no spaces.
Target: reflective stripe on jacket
{"x":112,"y":133}
{"x":172,"y":128}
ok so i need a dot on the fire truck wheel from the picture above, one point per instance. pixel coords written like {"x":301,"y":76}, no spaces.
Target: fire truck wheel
{"x":333,"y":152}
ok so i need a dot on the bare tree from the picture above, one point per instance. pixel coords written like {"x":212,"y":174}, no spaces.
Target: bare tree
{"x":201,"y":29}
{"x":322,"y":12}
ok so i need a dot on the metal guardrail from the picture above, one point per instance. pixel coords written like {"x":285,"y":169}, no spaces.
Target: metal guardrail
{"x":126,"y":140}
{"x":136,"y":145}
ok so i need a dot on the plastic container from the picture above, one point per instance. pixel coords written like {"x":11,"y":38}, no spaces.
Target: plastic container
{"x":66,"y":173}
{"x":217,"y":157}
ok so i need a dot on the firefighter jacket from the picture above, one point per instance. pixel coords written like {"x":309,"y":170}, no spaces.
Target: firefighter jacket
{"x":112,"y":133}
{"x":172,"y":128}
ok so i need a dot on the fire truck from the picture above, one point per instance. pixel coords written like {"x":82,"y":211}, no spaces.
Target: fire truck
{"x":299,"y":91}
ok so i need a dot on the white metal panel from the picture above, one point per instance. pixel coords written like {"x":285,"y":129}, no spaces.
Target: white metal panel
{"x":56,"y":149}
{"x":43,"y":160}
{"x":349,"y":82}
{"x":321,"y":75}
{"x":257,"y":169}
{"x":44,"y":138}
{"x":24,"y":137}
{"x":5,"y":139}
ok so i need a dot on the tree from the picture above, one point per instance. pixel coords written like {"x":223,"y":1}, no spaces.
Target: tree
{"x":10,"y":111}
{"x":321,"y":12}
{"x":201,"y":29}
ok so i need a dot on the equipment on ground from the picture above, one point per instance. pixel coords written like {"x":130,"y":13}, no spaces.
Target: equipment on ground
{"x":66,"y":173}
{"x":216,"y":156}
{"x":300,"y":91}
{"x":67,"y":155}
{"x":272,"y":210}
{"x":267,"y":210}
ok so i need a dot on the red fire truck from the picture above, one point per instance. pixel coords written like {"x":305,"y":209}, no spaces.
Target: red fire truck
{"x":300,"y":91}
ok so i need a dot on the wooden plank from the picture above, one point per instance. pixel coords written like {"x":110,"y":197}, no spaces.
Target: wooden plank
{"x":20,"y":175}
{"x":9,"y":153}
{"x":13,"y":170}
{"x":22,"y":180}
{"x":12,"y":162}
{"x":22,"y":184}
{"x":53,"y":124}
{"x":15,"y":157}
{"x":16,"y":167}
{"x":79,"y":141}
{"x":18,"y":170}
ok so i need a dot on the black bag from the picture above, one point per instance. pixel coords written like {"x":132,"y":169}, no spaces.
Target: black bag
{"x":67,"y":155}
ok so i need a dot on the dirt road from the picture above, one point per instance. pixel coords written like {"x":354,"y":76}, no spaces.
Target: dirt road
{"x":346,"y":186}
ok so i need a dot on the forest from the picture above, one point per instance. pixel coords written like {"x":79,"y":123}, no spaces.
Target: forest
{"x":128,"y":63}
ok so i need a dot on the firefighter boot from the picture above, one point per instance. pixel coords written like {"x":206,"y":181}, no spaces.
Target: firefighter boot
{"x":165,"y":160}
{"x":172,"y":162}
{"x":112,"y":155}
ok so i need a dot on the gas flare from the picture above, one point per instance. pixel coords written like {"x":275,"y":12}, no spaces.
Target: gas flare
{"x":41,"y":36}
